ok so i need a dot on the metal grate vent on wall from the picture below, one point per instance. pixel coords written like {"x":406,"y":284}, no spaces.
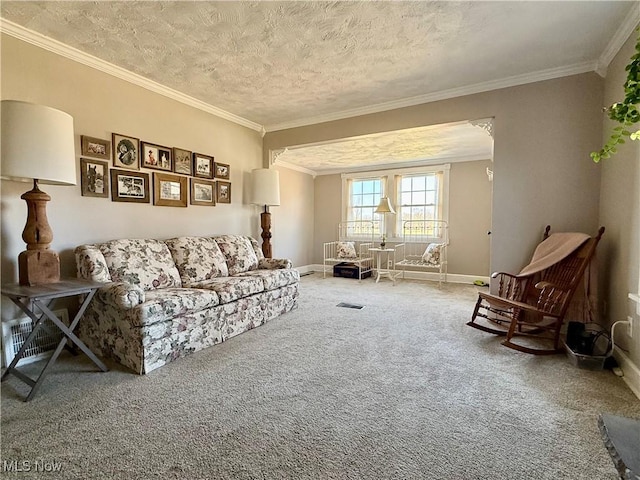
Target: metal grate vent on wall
{"x":15,"y":332}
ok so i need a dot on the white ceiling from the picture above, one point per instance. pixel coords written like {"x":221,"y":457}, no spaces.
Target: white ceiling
{"x":452,"y":142}
{"x":273,"y":65}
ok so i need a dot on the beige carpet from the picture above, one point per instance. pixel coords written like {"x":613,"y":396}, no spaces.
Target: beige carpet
{"x":401,"y":389}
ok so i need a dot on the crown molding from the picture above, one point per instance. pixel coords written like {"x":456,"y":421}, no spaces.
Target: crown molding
{"x":59,"y":48}
{"x":291,"y":166}
{"x":617,"y":41}
{"x":516,"y":80}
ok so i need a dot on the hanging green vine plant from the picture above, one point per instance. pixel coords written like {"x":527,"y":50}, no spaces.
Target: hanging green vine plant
{"x":626,"y":113}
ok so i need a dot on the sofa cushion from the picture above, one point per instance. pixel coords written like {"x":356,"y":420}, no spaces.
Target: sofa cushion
{"x":238,"y":252}
{"x":197,"y":258}
{"x":273,"y":279}
{"x":146,"y":263}
{"x":230,"y":289}
{"x":168,"y":303}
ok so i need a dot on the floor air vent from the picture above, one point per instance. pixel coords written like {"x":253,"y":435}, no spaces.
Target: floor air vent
{"x":350,"y":305}
{"x":15,"y":332}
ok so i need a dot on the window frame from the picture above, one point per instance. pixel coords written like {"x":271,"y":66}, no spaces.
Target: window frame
{"x":391,"y":179}
{"x":346,"y":197}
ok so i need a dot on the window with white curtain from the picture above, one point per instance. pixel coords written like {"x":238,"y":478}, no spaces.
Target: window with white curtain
{"x":418,"y":193}
{"x":362,"y":197}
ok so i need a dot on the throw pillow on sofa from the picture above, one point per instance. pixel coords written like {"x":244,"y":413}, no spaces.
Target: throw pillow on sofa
{"x":198,"y":259}
{"x":238,"y":252}
{"x":143,"y":262}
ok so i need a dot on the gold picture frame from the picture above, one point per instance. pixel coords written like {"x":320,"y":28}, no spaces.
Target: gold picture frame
{"x":202,"y":165}
{"x":222,"y":170}
{"x":94,"y":178}
{"x":155,"y":156}
{"x":223,"y":192}
{"x":169,"y":190}
{"x":126,"y":151}
{"x":95,"y":147}
{"x":129,"y":186}
{"x":203,"y":192}
{"x":182,"y":162}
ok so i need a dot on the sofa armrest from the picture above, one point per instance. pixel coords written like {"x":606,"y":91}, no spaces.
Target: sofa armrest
{"x":121,"y":294}
{"x":91,"y":264}
{"x":274,"y":263}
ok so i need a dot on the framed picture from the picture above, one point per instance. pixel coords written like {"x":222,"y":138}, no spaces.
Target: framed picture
{"x":169,"y":190}
{"x":202,"y":166}
{"x":156,"y":156}
{"x":223,"y":191}
{"x":222,"y":171}
{"x":182,"y":161}
{"x":203,"y":192}
{"x":128,"y":186}
{"x":94,"y":178}
{"x":126,"y":151}
{"x":95,"y":147}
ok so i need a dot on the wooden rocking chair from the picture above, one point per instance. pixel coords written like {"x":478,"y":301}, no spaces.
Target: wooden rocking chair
{"x":534,"y":302}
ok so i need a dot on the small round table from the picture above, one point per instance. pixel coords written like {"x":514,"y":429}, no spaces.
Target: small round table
{"x":387,"y":271}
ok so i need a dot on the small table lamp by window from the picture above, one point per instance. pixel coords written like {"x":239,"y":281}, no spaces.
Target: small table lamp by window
{"x":265,"y":190}
{"x":37,"y":145}
{"x":383,"y":208}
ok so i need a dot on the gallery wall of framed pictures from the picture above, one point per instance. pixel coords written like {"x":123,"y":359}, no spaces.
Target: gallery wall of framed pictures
{"x":178,"y":178}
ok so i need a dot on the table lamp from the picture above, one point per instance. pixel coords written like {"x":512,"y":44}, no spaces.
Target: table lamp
{"x":383,"y":208}
{"x":37,"y":145}
{"x":265,"y":190}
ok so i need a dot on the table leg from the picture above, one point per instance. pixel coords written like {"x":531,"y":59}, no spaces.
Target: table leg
{"x":27,"y":308}
{"x":37,"y":324}
{"x":68,"y":331}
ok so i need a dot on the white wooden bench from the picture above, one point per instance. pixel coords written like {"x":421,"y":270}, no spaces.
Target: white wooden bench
{"x":417,"y":235}
{"x":361,"y":234}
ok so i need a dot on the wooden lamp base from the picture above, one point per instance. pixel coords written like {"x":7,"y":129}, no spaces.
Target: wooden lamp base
{"x":37,"y":264}
{"x":265,"y":223}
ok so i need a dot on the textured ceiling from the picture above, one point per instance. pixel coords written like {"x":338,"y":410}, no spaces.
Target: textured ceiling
{"x":281,"y":64}
{"x":460,"y":141}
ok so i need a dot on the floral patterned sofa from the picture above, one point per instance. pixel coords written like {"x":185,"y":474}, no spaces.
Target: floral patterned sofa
{"x":165,"y":299}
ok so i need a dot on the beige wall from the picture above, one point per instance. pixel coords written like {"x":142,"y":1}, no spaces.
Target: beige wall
{"x":543,"y":133}
{"x":469,"y":218}
{"x":292,"y":222}
{"x":619,"y":253}
{"x":469,"y":215}
{"x":102,"y":104}
{"x":327,"y":212}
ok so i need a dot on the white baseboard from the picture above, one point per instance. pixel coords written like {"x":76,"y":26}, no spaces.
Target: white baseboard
{"x":411,"y":275}
{"x":631,"y":371}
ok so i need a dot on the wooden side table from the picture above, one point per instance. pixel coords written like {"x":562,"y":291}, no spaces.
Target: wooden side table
{"x":42,"y":297}
{"x":386,"y":271}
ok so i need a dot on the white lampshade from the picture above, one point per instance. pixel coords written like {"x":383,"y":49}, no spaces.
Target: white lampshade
{"x":36,"y":143}
{"x":265,"y":186}
{"x":384,"y":206}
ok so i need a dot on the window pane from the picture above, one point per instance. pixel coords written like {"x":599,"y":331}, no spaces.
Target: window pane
{"x":430,"y":198}
{"x":418,"y":198}
{"x":419,"y":183}
{"x":364,"y":197}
